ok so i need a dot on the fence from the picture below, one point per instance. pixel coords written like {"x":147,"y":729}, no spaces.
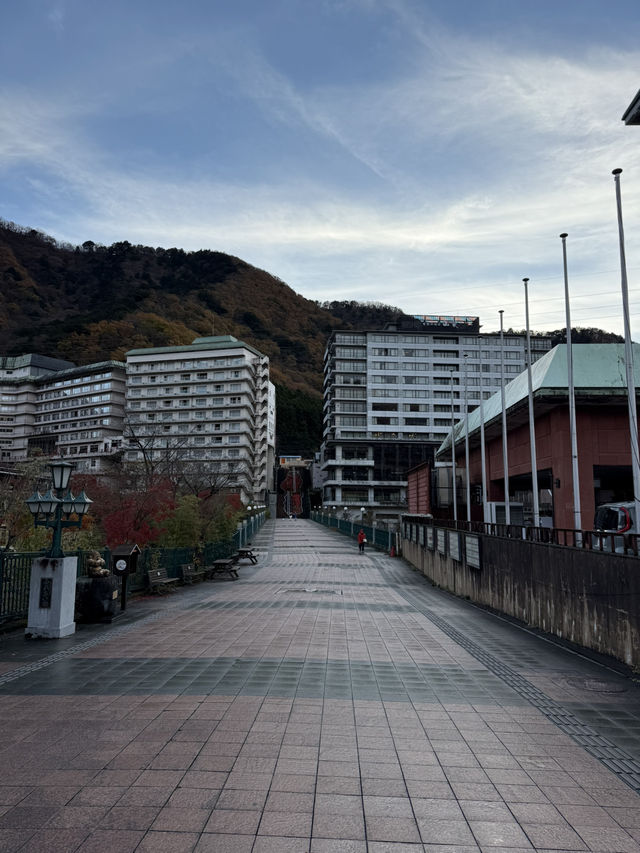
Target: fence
{"x":589,"y":540}
{"x":15,"y":568}
{"x":379,"y":537}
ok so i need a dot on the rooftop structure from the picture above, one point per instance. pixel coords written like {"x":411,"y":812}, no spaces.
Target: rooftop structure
{"x":632,"y":113}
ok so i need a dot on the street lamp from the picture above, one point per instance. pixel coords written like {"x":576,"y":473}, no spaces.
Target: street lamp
{"x":53,"y":506}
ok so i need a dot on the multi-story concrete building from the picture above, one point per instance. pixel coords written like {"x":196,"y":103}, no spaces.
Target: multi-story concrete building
{"x":390,"y":396}
{"x":80,"y":415}
{"x":64,"y":410}
{"x":208,"y":406}
{"x":19,"y":377}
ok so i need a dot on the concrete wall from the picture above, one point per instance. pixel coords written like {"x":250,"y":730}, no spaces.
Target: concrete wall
{"x":587,"y":597}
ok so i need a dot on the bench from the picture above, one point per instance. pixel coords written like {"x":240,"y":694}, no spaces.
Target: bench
{"x":190,"y":573}
{"x":247,"y":554}
{"x":159,"y":580}
{"x":219,"y":567}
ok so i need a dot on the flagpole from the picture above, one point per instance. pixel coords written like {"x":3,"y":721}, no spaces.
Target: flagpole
{"x":485,"y":508}
{"x":532,"y":427}
{"x":505,"y":460}
{"x":453,"y":456}
{"x":628,"y":356}
{"x":577,"y":518}
{"x":466,"y":437}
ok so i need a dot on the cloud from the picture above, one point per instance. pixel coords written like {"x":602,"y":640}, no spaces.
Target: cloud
{"x":479,"y":158}
{"x":56,"y":17}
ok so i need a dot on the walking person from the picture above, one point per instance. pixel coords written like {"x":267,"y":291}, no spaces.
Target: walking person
{"x":362,"y":540}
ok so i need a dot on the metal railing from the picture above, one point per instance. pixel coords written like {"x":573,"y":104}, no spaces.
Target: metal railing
{"x":378,"y":537}
{"x":588,"y":540}
{"x":15,"y":568}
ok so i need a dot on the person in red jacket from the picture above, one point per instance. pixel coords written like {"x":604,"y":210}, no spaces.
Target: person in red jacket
{"x":361,"y":541}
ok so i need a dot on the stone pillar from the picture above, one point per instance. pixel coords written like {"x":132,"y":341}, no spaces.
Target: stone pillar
{"x":52,"y":597}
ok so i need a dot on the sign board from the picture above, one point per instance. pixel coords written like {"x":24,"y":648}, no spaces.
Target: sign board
{"x":430,"y":538}
{"x":454,"y":545}
{"x":472,"y":551}
{"x":441,"y":540}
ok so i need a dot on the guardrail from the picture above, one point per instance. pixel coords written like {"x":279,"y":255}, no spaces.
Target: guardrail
{"x":590,"y":540}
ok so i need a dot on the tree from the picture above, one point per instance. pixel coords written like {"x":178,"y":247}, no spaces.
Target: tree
{"x":169,"y":457}
{"x":183,"y":528}
{"x":130,"y":507}
{"x":16,"y":485}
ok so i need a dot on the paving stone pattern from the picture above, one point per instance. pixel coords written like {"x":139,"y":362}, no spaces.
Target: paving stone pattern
{"x":326,"y":702}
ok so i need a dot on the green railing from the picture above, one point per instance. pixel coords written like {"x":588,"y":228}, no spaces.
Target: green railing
{"x":378,"y":537}
{"x":15,"y":569}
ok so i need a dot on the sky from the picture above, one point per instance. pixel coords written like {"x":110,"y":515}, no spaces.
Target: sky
{"x":425,"y":154}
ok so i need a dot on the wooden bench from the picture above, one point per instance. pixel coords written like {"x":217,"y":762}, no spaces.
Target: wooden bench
{"x":247,"y":554}
{"x":159,"y":580}
{"x":190,"y":573}
{"x":219,"y":567}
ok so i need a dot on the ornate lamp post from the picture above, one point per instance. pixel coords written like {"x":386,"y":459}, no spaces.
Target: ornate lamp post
{"x":52,"y":589}
{"x":48,"y":509}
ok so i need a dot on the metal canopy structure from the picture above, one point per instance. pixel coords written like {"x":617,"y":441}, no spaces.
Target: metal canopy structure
{"x":599,"y":373}
{"x":632,"y":114}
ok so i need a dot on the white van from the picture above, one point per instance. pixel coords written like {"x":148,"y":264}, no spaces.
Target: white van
{"x":618,"y":518}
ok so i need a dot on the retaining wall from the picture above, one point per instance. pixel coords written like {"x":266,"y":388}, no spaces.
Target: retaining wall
{"x":587,"y":597}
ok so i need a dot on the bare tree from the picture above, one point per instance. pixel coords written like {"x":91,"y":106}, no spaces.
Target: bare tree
{"x":171,"y":457}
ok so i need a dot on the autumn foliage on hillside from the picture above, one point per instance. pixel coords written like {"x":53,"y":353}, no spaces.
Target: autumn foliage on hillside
{"x":92,"y":303}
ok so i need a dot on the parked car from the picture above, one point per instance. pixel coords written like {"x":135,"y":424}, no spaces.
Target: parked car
{"x":617,"y":524}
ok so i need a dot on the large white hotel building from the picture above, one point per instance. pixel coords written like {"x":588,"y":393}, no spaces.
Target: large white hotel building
{"x":209,"y":403}
{"x":389,"y":397}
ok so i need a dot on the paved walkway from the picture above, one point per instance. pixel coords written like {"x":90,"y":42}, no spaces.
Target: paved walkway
{"x":327,"y":702}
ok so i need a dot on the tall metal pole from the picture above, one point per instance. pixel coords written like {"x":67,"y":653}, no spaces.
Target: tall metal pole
{"x":505,"y":458}
{"x":577,"y":517}
{"x":466,"y":438}
{"x":628,"y":357}
{"x":453,"y":456}
{"x":532,"y":428}
{"x":483,"y":462}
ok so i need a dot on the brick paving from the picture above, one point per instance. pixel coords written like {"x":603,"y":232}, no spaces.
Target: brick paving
{"x":327,"y":702}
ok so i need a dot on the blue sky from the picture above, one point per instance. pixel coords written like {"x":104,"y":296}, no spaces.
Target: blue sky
{"x":421,"y":153}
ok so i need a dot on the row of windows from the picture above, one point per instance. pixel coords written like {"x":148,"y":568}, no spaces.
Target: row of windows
{"x":353,"y":352}
{"x":343,"y":338}
{"x":80,"y":436}
{"x":177,"y":390}
{"x":71,"y":392}
{"x":79,"y":413}
{"x":75,"y":401}
{"x":68,"y":424}
{"x":189,"y":364}
{"x":164,"y":379}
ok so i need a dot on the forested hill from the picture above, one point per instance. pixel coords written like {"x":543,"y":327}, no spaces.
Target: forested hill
{"x":91,"y":302}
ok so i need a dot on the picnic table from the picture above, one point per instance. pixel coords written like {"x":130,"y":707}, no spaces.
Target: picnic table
{"x":225,"y":564}
{"x":247,"y":554}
